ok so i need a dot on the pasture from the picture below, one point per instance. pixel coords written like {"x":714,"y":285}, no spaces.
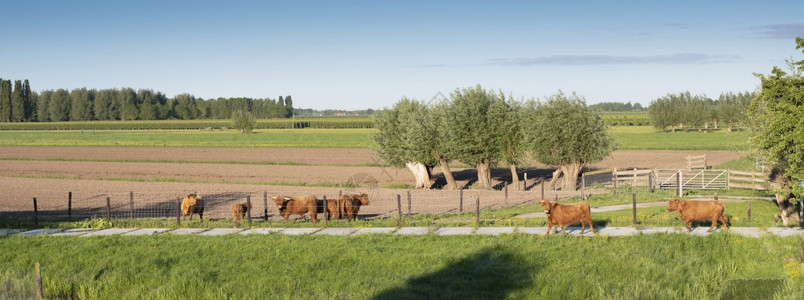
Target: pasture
{"x":403,"y":267}
{"x":626,"y":137}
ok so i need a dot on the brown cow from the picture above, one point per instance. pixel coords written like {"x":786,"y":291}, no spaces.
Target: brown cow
{"x":690,"y":210}
{"x":564,"y":214}
{"x":350,"y":204}
{"x":239,"y":211}
{"x":333,"y":208}
{"x":192,"y":204}
{"x":296,"y":205}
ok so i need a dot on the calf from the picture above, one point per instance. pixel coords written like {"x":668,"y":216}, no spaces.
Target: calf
{"x":564,"y":214}
{"x":690,"y":211}
{"x":350,"y":204}
{"x":192,"y":204}
{"x":239,"y":211}
{"x":296,"y":205}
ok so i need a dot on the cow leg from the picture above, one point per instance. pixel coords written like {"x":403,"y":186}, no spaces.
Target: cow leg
{"x":688,"y":225}
{"x":563,"y":230}
{"x":583,"y":227}
{"x":549,"y":228}
{"x":201,"y":215}
{"x":714,"y":223}
{"x":724,"y":221}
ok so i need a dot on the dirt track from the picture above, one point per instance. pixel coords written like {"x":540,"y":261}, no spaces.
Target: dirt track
{"x":45,"y":174}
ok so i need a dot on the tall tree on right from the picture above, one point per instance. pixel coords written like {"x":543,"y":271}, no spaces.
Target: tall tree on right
{"x":17,"y":103}
{"x":776,"y":131}
{"x":565,"y":133}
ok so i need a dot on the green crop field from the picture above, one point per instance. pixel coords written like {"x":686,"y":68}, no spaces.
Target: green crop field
{"x":628,"y":138}
{"x":659,"y":266}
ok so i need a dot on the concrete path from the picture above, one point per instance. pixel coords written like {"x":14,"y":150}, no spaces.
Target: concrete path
{"x":443,"y":231}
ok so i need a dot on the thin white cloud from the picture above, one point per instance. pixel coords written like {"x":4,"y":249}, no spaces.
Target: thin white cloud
{"x":583,"y":60}
{"x":778,"y":31}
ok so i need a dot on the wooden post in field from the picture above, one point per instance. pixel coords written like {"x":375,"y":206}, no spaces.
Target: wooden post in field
{"x":650,"y":182}
{"x":477,"y":211}
{"x":39,"y":291}
{"x":399,"y":210}
{"x":248,"y":204}
{"x":69,"y":204}
{"x":678,"y":183}
{"x":265,"y":206}
{"x":326,"y":211}
{"x":542,"y":184}
{"x":525,"y":182}
{"x":505,"y":187}
{"x":131,"y":205}
{"x":715,"y":196}
{"x":178,"y":213}
{"x":108,"y":208}
{"x":460,"y":201}
{"x":340,"y":193}
{"x":36,"y":213}
{"x":633,"y":204}
{"x":583,"y":186}
{"x":614,"y":179}
{"x":409,"y":202}
{"x":749,"y":211}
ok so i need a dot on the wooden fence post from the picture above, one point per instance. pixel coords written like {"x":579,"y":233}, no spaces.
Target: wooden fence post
{"x":477,"y":211}
{"x":650,"y":182}
{"x":326,"y":211}
{"x":525,"y":182}
{"x":69,"y":204}
{"x":749,"y":211}
{"x":39,"y":291}
{"x":265,"y":206}
{"x":678,"y":183}
{"x":542,"y":185}
{"x":505,"y":187}
{"x":399,"y":210}
{"x":131,"y":205}
{"x":178,"y":213}
{"x":583,"y":186}
{"x":614,"y":179}
{"x":340,"y":193}
{"x":409,"y":204}
{"x":108,"y":209}
{"x":460,"y":201}
{"x":715,"y":196}
{"x":633,"y":201}
{"x":36,"y":213}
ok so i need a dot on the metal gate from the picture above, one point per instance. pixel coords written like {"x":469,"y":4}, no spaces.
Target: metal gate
{"x":692,"y":179}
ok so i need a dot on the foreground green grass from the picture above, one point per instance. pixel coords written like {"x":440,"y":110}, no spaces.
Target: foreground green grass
{"x":405,"y":267}
{"x":627,"y":138}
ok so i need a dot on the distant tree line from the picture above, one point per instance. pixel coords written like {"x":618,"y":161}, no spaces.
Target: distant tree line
{"x":20,"y":104}
{"x":309,"y":112}
{"x":616,"y":107}
{"x":698,"y":111}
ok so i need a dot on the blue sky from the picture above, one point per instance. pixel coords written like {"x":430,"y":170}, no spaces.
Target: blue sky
{"x":369,"y":54}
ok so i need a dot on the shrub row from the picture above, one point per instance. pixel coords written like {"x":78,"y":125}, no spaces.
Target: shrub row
{"x":641,"y":119}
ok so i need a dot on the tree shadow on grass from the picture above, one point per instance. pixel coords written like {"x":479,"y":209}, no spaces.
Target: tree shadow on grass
{"x":491,"y":273}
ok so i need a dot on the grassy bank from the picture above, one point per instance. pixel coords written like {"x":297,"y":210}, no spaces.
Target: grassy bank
{"x":404,"y":267}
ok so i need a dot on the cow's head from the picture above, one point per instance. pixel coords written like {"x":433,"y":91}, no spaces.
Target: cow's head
{"x":547,"y":206}
{"x":281,"y":202}
{"x":364,"y":200}
{"x":672,"y":205}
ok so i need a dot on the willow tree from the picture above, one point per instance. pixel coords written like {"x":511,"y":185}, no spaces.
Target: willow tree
{"x":512,"y":137}
{"x":401,"y":142}
{"x":474,"y":122}
{"x":566,"y":134}
{"x":777,"y":132}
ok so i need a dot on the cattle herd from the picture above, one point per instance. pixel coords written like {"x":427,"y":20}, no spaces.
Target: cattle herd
{"x":688,"y":210}
{"x":342,"y":207}
{"x":347,"y":207}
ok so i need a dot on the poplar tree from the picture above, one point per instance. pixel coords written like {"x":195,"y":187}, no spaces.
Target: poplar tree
{"x":17,"y":103}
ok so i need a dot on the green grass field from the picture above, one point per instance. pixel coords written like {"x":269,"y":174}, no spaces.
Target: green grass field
{"x":626,"y":137}
{"x":661,"y":266}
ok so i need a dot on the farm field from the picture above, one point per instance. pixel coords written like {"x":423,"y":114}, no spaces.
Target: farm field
{"x":626,"y":137}
{"x":720,"y":266}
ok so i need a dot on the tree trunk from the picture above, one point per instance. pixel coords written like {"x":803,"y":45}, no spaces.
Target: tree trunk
{"x":554,"y":180}
{"x":787,"y":210}
{"x":515,"y":178}
{"x":483,"y":175}
{"x":451,"y":185}
{"x":421,"y":173}
{"x":729,"y":126}
{"x":571,"y":176}
{"x":715,"y":123}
